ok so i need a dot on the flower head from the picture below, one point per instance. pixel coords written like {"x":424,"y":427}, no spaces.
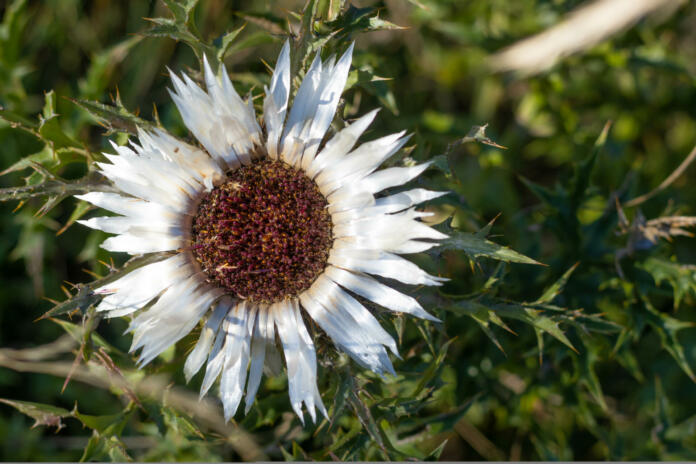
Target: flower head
{"x":262,"y":223}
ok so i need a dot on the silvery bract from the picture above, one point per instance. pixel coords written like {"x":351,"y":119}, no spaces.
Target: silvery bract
{"x":175,"y":194}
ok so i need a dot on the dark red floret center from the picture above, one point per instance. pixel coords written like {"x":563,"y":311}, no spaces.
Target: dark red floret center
{"x":265,"y":234}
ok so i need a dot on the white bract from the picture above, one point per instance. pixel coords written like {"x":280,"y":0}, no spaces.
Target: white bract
{"x":162,"y":180}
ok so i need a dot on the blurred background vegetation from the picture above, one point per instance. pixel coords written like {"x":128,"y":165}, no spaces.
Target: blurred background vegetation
{"x":586,"y":357}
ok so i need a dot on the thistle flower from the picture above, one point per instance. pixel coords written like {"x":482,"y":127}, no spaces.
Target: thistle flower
{"x":265,"y":226}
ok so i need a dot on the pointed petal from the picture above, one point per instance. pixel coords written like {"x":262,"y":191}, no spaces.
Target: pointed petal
{"x":236,"y":352}
{"x":276,"y":101}
{"x":136,"y":289}
{"x":216,"y":357}
{"x":261,"y":338}
{"x":403,"y":200}
{"x":375,"y":291}
{"x":383,"y":264}
{"x":391,"y":177}
{"x":200,"y":353}
{"x":219,"y":119}
{"x":173,"y":316}
{"x":360,"y":162}
{"x":344,"y":331}
{"x":338,"y":146}
{"x":314,"y":107}
{"x":300,"y":357}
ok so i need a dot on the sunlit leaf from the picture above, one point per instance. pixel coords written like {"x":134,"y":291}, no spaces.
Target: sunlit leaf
{"x":43,"y":414}
{"x":475,"y":246}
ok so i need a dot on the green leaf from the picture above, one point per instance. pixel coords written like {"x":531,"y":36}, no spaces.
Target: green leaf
{"x":298,"y":454}
{"x":80,"y":334}
{"x":535,"y":318}
{"x":484,"y":316}
{"x":44,"y":157}
{"x":667,"y":329}
{"x":100,"y":448}
{"x":84,"y":298}
{"x":556,"y":288}
{"x":531,"y":316}
{"x":475,"y":246}
{"x":442,"y":163}
{"x":115,"y":118}
{"x":55,"y":189}
{"x":103,"y":65}
{"x":182,"y":29}
{"x":43,"y":414}
{"x":181,"y":424}
{"x":253,"y":39}
{"x":181,"y":9}
{"x":434,"y":368}
{"x":682,"y":278}
{"x":380,"y":89}
{"x":356,"y":20}
{"x":226,"y":41}
{"x":112,"y":424}
{"x":367,"y":420}
{"x":583,"y":171}
{"x":435,"y":454}
{"x":588,"y":359}
{"x":81,"y":208}
{"x":49,"y":127}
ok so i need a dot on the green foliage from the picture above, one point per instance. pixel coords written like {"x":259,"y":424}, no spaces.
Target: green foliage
{"x":568,"y":319}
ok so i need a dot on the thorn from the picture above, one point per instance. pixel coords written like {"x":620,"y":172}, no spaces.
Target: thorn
{"x":21,"y":203}
{"x":66,"y":291}
{"x":75,"y":363}
{"x":91,"y":273}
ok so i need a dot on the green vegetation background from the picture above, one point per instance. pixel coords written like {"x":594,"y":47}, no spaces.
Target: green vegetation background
{"x":492,"y":388}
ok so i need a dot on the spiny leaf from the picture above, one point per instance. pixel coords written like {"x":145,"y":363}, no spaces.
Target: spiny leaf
{"x":103,"y":65}
{"x":181,"y":424}
{"x":226,"y":42}
{"x":435,"y":454}
{"x":49,"y":127}
{"x":18,"y":121}
{"x":681,"y":277}
{"x":181,"y":9}
{"x":536,"y":319}
{"x":475,"y":246}
{"x":84,"y":298}
{"x":115,"y":118}
{"x":628,"y":361}
{"x":556,"y":200}
{"x":81,"y":333}
{"x":475,"y":134}
{"x":182,"y":28}
{"x":433,"y":369}
{"x":588,"y":359}
{"x":111,"y":424}
{"x":581,"y":179}
{"x":43,"y":414}
{"x":557,"y":287}
{"x":667,"y":329}
{"x":100,"y":448}
{"x":356,"y":20}
{"x":48,"y":157}
{"x":80,"y":210}
{"x":586,"y":323}
{"x":567,"y":202}
{"x":484,"y":316}
{"x":56,"y":187}
{"x":366,"y":419}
